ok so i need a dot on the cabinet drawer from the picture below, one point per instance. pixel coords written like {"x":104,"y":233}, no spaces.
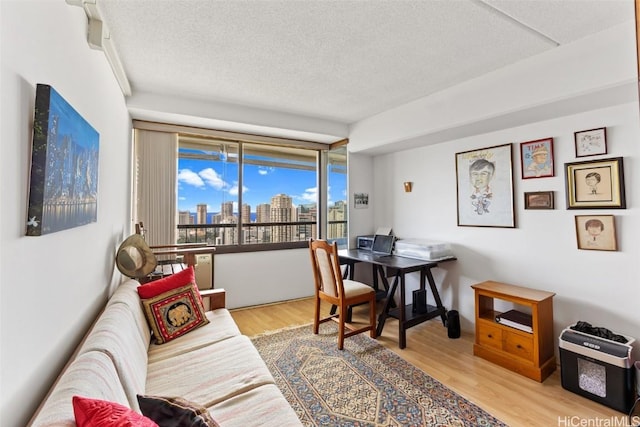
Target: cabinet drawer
{"x":489,"y":335}
{"x":518,"y":345}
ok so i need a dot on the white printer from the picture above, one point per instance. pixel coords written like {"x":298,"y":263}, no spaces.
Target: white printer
{"x":431,"y":250}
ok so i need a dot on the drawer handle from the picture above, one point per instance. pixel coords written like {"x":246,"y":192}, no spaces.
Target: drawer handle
{"x":518,"y":346}
{"x":490,"y":336}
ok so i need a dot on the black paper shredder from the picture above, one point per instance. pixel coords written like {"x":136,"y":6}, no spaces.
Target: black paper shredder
{"x":598,"y":369}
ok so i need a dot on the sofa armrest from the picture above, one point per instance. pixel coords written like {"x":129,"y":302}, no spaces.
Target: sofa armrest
{"x":217,"y":297}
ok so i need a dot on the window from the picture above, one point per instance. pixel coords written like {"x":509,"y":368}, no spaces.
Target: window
{"x":208,"y":177}
{"x":237,"y":193}
{"x":337,"y":195}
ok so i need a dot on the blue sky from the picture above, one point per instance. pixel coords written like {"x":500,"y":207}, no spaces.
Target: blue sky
{"x":216,"y":182}
{"x":72,"y":123}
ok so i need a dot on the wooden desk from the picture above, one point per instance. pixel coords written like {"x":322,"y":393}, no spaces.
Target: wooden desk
{"x":398,"y":266}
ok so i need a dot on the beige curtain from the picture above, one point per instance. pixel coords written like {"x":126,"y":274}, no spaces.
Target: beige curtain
{"x":156,"y":157}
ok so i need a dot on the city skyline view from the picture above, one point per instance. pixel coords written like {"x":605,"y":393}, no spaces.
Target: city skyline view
{"x":216,"y":182}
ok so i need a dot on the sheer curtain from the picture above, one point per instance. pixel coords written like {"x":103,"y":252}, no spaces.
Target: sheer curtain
{"x":156,"y":157}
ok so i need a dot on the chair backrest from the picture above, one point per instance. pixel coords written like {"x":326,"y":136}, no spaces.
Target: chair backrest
{"x":326,"y":267}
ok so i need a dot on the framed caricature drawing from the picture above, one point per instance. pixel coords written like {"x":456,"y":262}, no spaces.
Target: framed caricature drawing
{"x":591,"y":142}
{"x":485,"y":187}
{"x":597,"y":184}
{"x":596,"y":232}
{"x":537,"y":158}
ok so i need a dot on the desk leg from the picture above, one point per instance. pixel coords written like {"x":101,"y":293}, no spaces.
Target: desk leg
{"x":402,"y":332}
{"x":387,"y":304}
{"x":374,"y":274}
{"x":436,"y":295}
{"x":385,"y":283}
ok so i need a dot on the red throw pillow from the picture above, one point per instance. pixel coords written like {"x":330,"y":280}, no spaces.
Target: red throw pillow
{"x":102,"y":413}
{"x":181,"y":278}
{"x":165,"y":284}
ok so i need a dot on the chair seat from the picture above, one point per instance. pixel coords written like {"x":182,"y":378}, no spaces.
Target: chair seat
{"x":353,"y":288}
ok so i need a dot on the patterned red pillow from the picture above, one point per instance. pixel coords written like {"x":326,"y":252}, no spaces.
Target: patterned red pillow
{"x":102,"y":413}
{"x":174,"y":313}
{"x":168,"y":283}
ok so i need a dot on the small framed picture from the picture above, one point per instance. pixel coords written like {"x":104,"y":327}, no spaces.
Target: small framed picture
{"x":537,"y":158}
{"x":538,"y":200}
{"x":360,"y":200}
{"x":591,"y":142}
{"x":595,"y":184}
{"x":596,"y":232}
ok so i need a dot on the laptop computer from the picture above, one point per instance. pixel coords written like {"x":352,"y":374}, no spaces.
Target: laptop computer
{"x":382,"y":245}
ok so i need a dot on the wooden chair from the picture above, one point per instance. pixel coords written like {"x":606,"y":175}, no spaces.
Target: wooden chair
{"x":332,"y":288}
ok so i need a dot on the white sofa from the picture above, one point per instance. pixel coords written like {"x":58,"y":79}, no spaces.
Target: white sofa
{"x":214,"y":366}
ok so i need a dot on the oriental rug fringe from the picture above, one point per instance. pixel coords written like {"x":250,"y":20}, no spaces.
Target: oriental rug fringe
{"x":363,"y":385}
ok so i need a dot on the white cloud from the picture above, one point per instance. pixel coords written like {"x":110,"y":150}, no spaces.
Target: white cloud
{"x":310,"y":195}
{"x":264,"y":170}
{"x":189,"y":177}
{"x":234,"y":189}
{"x":212,"y":178}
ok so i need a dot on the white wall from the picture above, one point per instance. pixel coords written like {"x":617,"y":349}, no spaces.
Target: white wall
{"x":52,"y":286}
{"x":264,"y":277}
{"x":585,"y":85}
{"x":541,"y":252}
{"x":360,"y":181}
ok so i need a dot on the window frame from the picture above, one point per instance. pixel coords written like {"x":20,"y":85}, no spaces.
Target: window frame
{"x":321,"y":164}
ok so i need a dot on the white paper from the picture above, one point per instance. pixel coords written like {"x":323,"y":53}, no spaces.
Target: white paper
{"x":385,"y":231}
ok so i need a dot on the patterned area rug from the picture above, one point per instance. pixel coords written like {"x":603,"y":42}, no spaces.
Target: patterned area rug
{"x":363,"y":385}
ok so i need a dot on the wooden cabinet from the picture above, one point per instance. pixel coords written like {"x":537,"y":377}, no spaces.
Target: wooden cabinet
{"x":529,"y":354}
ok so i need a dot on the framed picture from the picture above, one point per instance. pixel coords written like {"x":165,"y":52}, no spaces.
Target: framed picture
{"x":360,"y":200}
{"x":595,"y":184}
{"x":484,"y":180}
{"x":596,"y":232}
{"x":591,"y":142}
{"x":537,"y":158}
{"x":538,"y":200}
{"x":63,"y":191}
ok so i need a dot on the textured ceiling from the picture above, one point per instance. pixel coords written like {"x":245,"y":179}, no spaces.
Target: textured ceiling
{"x":336,"y":60}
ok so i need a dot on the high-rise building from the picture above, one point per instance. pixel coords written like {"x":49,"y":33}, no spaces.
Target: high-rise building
{"x":263,"y":214}
{"x":226,"y":210}
{"x":246,"y":213}
{"x":281,"y":211}
{"x":201,"y":213}
{"x":306,"y":213}
{"x":248,"y":233}
{"x":338,"y":213}
{"x":184,"y":217}
{"x":229,"y":234}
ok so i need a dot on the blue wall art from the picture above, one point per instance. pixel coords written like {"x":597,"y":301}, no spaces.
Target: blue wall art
{"x":63,"y":191}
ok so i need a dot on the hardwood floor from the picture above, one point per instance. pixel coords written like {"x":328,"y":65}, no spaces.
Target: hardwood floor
{"x":514,"y":399}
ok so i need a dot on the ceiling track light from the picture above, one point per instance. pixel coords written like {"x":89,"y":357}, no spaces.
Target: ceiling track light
{"x":99,"y":38}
